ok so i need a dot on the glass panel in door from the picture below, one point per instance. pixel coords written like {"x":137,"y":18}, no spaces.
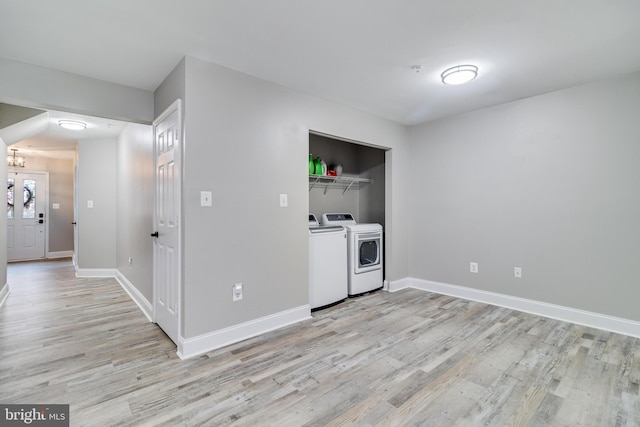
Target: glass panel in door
{"x":10,"y":197}
{"x":29,"y":199}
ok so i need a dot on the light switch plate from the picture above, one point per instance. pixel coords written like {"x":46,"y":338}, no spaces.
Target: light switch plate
{"x":237,"y":291}
{"x":90,"y":203}
{"x":284,"y":200}
{"x":56,"y":206}
{"x":205,"y":198}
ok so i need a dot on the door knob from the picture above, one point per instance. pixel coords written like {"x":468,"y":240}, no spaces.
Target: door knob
{"x":154,"y":234}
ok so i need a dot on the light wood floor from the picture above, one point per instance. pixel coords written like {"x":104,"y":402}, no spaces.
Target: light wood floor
{"x":407,"y":358}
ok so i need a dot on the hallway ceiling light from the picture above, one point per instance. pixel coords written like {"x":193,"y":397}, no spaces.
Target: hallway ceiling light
{"x":15,"y":161}
{"x":459,"y":74}
{"x":72,"y":124}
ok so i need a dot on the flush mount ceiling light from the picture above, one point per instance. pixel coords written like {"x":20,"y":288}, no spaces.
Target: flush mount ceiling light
{"x":459,"y":74}
{"x":72,"y":125}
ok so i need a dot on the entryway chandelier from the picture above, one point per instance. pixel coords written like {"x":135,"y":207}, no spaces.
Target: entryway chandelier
{"x":15,"y":161}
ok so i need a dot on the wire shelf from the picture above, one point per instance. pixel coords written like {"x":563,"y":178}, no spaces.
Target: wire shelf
{"x":343,"y":182}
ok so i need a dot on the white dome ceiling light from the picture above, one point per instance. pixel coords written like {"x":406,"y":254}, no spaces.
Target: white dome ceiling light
{"x":459,"y":74}
{"x":72,"y":125}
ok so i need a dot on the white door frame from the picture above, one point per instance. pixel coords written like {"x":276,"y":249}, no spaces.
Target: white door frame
{"x":74,"y":258}
{"x":175,"y":106}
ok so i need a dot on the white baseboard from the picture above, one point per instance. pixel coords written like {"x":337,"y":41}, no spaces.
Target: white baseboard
{"x":60,"y":254}
{"x":397,"y":285}
{"x":95,"y":272}
{"x":553,"y":311}
{"x":136,"y":296}
{"x":191,"y":347}
{"x":4,"y":293}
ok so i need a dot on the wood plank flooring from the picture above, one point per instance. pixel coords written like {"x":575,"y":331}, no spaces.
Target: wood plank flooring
{"x":407,"y":358}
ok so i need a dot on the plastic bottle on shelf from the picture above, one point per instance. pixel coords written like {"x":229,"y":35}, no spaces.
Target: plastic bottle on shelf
{"x":317,"y":166}
{"x":312,"y":166}
{"x":324,"y":167}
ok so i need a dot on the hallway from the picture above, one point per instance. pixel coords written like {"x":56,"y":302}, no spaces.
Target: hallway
{"x":71,"y":340}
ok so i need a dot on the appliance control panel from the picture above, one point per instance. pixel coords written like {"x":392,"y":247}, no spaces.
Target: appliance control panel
{"x":338,"y":219}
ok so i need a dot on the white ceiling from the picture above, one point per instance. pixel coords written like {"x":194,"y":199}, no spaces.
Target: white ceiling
{"x":57,"y":142}
{"x":356,"y":52}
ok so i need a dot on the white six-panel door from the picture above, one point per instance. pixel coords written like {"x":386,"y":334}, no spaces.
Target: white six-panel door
{"x":167,"y":140}
{"x":26,"y":209}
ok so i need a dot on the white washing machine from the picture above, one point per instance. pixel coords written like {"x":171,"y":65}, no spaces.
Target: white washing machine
{"x":328,"y":280}
{"x":364,"y":252}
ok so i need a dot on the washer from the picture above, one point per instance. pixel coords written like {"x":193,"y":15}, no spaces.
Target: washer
{"x":364,"y":252}
{"x":328,"y":280}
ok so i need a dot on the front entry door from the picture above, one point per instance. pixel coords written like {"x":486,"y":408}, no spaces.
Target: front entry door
{"x":26,"y":208}
{"x":166,"y":248}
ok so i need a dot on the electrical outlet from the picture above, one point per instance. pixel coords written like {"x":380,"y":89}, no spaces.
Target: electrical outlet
{"x":237,"y":291}
{"x":473,"y":267}
{"x":517,"y":272}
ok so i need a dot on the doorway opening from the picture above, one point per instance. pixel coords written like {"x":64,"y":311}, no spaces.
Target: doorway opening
{"x":366,"y":198}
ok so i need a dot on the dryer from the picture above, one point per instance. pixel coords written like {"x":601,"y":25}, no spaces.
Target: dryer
{"x":364,"y":252}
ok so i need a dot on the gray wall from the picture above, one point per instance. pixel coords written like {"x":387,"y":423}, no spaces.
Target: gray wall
{"x":549,"y":184}
{"x":173,"y":87}
{"x":60,"y":192}
{"x":33,"y":86}
{"x":135,"y":207}
{"x":246,"y":140}
{"x":372,"y":196}
{"x":97,"y":182}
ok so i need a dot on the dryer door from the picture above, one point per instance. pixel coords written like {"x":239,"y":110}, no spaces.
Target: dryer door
{"x":368,"y":247}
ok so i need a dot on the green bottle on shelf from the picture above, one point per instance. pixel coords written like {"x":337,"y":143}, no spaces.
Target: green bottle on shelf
{"x":312,"y":166}
{"x":317,"y":166}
